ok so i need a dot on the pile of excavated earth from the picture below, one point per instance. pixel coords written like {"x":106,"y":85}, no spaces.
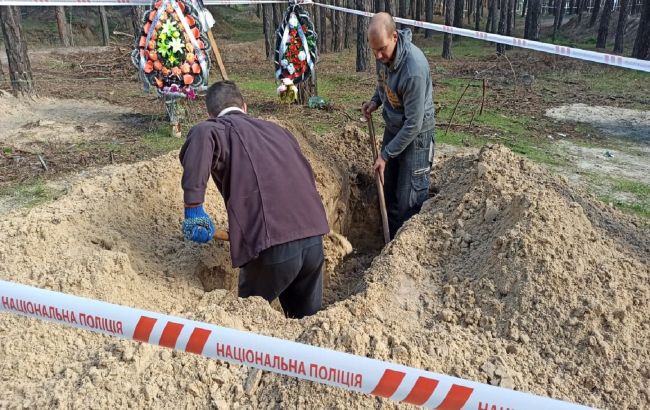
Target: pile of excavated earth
{"x":508,"y":276}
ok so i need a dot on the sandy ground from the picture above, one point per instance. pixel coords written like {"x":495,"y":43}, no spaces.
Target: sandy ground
{"x":508,"y":276}
{"x":31,"y":124}
{"x":619,"y":122}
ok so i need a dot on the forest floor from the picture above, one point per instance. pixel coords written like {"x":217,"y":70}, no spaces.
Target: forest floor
{"x":585,"y":120}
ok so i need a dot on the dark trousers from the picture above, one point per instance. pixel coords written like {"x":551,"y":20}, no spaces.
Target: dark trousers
{"x":406,"y":180}
{"x":290,"y":271}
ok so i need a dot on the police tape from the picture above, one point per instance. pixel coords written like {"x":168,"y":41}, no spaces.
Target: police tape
{"x":130,"y":2}
{"x":355,"y":373}
{"x":603,"y":58}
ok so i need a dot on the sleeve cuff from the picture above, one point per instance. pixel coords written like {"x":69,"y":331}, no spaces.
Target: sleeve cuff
{"x":384,"y":154}
{"x":192,"y":196}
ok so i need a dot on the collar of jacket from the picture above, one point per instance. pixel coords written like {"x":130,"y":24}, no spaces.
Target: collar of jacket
{"x":229,"y":110}
{"x":403,"y":42}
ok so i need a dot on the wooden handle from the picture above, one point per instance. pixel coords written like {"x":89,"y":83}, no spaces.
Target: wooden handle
{"x":380,"y":186}
{"x":221,"y":235}
{"x":217,"y":55}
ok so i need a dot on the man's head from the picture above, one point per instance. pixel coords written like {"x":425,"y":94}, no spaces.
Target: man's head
{"x":222,"y":95}
{"x":382,"y":37}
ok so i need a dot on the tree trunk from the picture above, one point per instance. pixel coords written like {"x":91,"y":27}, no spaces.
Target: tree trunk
{"x":20,"y":70}
{"x":579,"y":8}
{"x":531,"y":30}
{"x":523,"y":8}
{"x":388,"y":7}
{"x":104,"y":24}
{"x":449,"y":20}
{"x":501,"y":48}
{"x":562,"y":10}
{"x":488,"y":23}
{"x":137,"y":19}
{"x":603,"y":29}
{"x":401,"y":10}
{"x":642,"y":43}
{"x":418,"y":13}
{"x":470,"y":10}
{"x":278,"y":15}
{"x":269,"y":30}
{"x":620,"y":27}
{"x":362,"y":37}
{"x":594,"y":13}
{"x":62,"y":25}
{"x":493,"y":21}
{"x":428,"y":11}
{"x":557,"y":17}
{"x":377,"y":6}
{"x":349,"y":25}
{"x":459,"y":6}
{"x":477,"y":15}
{"x":510,"y":19}
{"x":323,"y":31}
{"x":339,"y":36}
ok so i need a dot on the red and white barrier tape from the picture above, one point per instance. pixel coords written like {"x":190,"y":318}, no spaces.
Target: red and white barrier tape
{"x":609,"y":59}
{"x":355,"y":373}
{"x":147,"y":3}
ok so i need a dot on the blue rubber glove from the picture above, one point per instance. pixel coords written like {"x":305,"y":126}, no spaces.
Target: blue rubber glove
{"x":198,"y":226}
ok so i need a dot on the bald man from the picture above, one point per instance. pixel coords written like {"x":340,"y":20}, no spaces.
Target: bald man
{"x":405,"y":91}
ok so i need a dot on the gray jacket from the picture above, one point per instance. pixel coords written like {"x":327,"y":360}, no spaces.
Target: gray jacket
{"x":404,"y":88}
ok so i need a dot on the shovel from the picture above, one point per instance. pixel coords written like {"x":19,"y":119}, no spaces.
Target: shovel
{"x":221,"y":235}
{"x":380,"y":186}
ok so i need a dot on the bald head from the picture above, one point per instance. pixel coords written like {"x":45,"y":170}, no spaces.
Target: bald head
{"x":381,"y":24}
{"x":382,"y":37}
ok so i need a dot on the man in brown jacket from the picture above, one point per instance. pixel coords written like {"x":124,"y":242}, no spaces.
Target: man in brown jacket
{"x":275,"y":216}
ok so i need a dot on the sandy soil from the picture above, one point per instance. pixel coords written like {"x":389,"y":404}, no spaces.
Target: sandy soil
{"x":31,"y":124}
{"x":508,"y":276}
{"x":619,"y":122}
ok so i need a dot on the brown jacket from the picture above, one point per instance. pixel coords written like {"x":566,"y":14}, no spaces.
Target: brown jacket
{"x":266,"y":183}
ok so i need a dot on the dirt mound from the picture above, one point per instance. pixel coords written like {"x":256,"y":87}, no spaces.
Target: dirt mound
{"x":508,"y":276}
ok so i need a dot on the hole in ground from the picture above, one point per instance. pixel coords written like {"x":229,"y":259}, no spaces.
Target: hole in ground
{"x":347,"y":255}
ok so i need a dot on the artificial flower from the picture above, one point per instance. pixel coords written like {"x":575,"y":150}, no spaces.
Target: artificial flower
{"x":293,"y":20}
{"x":168,"y":28}
{"x":176,"y":45}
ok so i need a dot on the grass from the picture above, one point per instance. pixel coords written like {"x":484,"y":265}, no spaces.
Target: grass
{"x":237,"y":23}
{"x":162,"y":140}
{"x":463,"y":48}
{"x":638,"y":189}
{"x":588,"y":43}
{"x":638,"y":209}
{"x":28,"y":195}
{"x":636,"y":195}
{"x":261,"y":86}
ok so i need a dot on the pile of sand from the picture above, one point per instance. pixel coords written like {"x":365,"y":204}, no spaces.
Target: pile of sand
{"x":508,"y":276}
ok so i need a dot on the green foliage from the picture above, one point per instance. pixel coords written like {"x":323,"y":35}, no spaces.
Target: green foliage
{"x":30,"y":194}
